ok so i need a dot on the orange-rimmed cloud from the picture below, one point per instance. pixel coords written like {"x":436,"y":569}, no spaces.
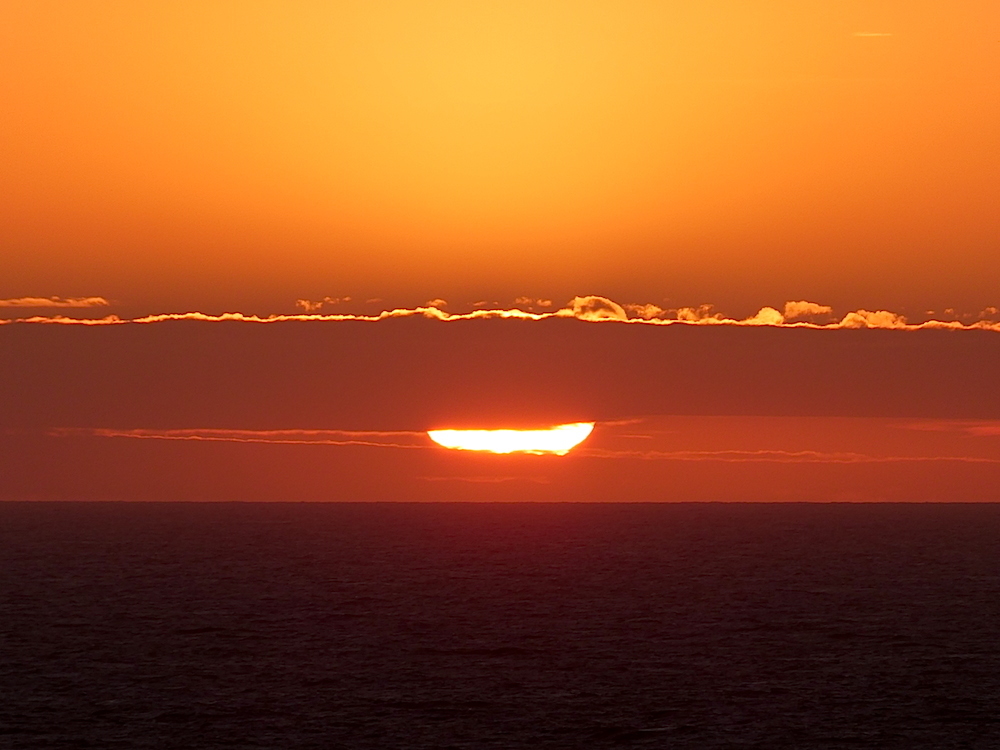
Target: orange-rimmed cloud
{"x":54,"y":302}
{"x":803,"y":309}
{"x":589,"y":308}
{"x":646,"y":311}
{"x":533,"y":302}
{"x":370,"y":438}
{"x":311,"y":306}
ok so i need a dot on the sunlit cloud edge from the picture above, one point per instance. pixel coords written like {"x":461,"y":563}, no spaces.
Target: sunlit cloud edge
{"x":590,"y":308}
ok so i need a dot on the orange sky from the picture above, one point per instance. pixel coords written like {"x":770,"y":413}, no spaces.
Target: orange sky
{"x":173,"y":155}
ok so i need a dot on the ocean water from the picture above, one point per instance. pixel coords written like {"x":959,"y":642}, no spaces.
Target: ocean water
{"x":499,"y":626}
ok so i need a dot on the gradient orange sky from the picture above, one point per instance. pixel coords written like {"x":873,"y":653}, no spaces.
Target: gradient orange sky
{"x":240,"y":155}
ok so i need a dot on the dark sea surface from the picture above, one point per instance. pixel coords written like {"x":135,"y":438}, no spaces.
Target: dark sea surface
{"x":499,"y":626}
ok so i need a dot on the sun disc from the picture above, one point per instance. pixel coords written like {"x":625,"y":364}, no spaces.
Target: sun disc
{"x":558,"y":440}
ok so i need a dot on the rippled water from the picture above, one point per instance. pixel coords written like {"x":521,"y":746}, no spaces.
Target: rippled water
{"x":499,"y":626}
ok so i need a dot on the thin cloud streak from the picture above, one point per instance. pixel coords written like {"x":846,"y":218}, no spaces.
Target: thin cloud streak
{"x":277,"y":437}
{"x":775,"y":456}
{"x":394,"y":439}
{"x":973,"y":428}
{"x":54,"y":302}
{"x":590,"y":308}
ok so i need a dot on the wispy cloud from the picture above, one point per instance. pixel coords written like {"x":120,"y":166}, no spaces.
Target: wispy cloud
{"x":54,"y":302}
{"x":803,"y":309}
{"x":311,"y":306}
{"x":532,"y":302}
{"x":700,"y":314}
{"x":375,"y":439}
{"x":971,"y":427}
{"x":646,"y":312}
{"x":410,"y":439}
{"x":776,"y":456}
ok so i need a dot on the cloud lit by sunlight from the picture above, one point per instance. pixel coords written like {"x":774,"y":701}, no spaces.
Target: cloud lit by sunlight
{"x":54,"y":302}
{"x":589,"y":308}
{"x":593,"y":307}
{"x":558,"y":440}
{"x":802,"y":309}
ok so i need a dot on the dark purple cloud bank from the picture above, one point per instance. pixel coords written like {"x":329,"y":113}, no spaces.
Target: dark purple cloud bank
{"x":416,"y":373}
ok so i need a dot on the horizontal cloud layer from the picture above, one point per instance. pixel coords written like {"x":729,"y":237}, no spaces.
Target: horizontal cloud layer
{"x":591,"y":308}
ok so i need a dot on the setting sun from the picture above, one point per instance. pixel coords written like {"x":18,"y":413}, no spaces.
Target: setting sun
{"x":559,"y":439}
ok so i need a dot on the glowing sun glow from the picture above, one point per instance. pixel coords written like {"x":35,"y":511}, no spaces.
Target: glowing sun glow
{"x":559,"y":439}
